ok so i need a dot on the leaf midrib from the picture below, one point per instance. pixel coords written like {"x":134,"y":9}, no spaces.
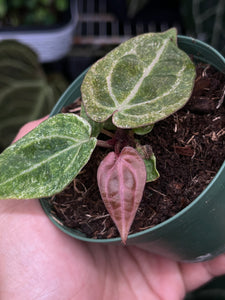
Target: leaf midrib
{"x":146,"y":73}
{"x":175,"y":85}
{"x":35,"y":166}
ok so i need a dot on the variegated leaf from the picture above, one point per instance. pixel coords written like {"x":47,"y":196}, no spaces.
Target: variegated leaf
{"x":140,"y":82}
{"x":121,"y":181}
{"x":47,"y":159}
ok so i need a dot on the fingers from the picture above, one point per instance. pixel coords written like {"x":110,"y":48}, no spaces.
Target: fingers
{"x":197,"y":274}
{"x":28,"y":127}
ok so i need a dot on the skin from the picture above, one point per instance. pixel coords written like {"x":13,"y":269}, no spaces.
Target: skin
{"x":38,"y":261}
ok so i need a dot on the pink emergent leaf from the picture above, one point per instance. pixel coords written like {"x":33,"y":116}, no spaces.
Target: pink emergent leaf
{"x":121,"y":181}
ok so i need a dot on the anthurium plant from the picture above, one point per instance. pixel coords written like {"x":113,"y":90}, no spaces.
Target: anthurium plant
{"x":142,"y":81}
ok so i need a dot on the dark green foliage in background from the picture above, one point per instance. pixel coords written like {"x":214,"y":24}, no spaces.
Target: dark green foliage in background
{"x":26,"y":93}
{"x":32,"y":12}
{"x":205,"y":20}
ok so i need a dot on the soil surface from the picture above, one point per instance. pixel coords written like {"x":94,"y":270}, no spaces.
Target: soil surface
{"x":189,"y":147}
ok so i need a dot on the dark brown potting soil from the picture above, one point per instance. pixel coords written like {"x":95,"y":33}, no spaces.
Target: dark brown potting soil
{"x":189,"y":147}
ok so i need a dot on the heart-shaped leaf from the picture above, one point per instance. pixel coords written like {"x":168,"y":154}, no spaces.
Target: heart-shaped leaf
{"x":47,"y":159}
{"x":121,"y":181}
{"x":140,"y":82}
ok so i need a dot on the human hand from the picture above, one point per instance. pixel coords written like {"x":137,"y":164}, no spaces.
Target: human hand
{"x":38,"y":261}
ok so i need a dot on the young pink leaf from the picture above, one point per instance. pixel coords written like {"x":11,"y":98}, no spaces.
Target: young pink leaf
{"x":121,"y":181}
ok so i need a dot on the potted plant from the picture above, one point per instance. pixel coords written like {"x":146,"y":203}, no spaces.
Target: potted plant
{"x":47,"y":159}
{"x":45,"y":26}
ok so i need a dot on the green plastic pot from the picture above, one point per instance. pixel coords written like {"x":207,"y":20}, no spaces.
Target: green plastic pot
{"x":196,"y":233}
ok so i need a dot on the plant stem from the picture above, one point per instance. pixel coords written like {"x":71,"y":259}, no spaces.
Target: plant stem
{"x":107,"y":133}
{"x":104,"y":144}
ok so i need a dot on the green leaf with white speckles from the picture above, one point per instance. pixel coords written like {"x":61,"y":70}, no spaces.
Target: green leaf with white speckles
{"x":47,"y":159}
{"x":140,"y":82}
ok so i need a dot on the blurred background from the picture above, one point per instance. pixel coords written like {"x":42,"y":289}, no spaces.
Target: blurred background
{"x":46,"y":44}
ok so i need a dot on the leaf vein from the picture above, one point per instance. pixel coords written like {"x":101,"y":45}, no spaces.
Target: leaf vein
{"x":146,"y":73}
{"x":177,"y":82}
{"x":109,"y":77}
{"x":35,"y":166}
